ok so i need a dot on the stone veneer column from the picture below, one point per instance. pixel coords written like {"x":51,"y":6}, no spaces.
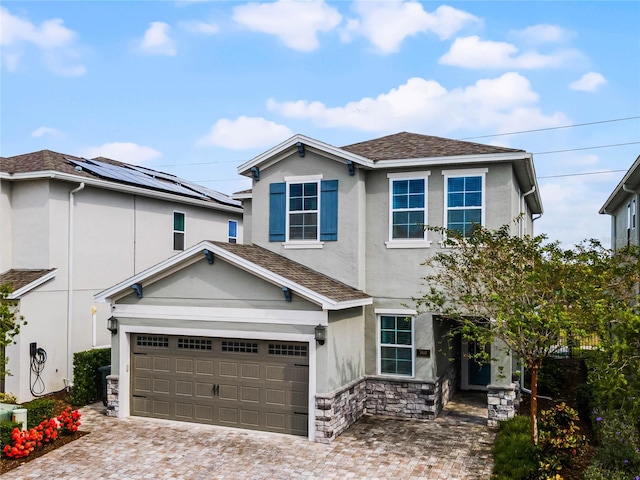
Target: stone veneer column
{"x":336,"y":411}
{"x":501,"y":403}
{"x":112,"y":396}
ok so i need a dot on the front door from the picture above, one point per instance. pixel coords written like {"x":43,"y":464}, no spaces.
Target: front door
{"x":479,"y":374}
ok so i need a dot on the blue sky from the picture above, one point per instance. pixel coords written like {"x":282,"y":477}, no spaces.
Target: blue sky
{"x":196,"y":88}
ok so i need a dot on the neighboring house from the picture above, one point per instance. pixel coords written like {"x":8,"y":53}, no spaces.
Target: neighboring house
{"x":622,"y":205}
{"x":70,"y":228}
{"x":312,"y":322}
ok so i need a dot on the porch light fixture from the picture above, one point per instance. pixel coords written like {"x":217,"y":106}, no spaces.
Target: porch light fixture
{"x":321,"y":334}
{"x":112,"y":325}
{"x":300,"y":147}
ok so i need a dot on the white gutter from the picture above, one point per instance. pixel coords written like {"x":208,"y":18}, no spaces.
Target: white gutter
{"x":36,"y":283}
{"x":70,"y":287}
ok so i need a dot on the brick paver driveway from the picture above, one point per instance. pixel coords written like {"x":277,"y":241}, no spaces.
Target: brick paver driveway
{"x":455,"y":446}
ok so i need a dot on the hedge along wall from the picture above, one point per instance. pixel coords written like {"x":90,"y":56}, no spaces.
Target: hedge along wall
{"x":87,"y":380}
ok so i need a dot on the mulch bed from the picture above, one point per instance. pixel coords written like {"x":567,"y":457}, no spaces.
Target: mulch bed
{"x":62,"y":401}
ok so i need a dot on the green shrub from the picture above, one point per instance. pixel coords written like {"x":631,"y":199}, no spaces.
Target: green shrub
{"x":87,"y":380}
{"x":559,"y":437}
{"x":6,"y":427}
{"x":37,"y":410}
{"x":514,"y":456}
{"x":618,"y":443}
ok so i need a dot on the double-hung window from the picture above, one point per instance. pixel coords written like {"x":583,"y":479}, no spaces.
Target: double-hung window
{"x":395,"y":346}
{"x":303,"y":211}
{"x":178,"y":230}
{"x":407,"y":209}
{"x":464,"y":199}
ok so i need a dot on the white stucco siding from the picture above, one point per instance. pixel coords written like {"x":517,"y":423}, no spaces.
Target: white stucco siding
{"x":45,"y":313}
{"x":31,"y":227}
{"x":6,"y":217}
{"x":342,"y":358}
{"x":342,"y":259}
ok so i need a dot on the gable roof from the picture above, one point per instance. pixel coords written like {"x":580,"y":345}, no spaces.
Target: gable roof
{"x":630,"y":181}
{"x":408,"y":150}
{"x":271,"y":267}
{"x":111,"y":174}
{"x":24,"y":280}
{"x":412,"y":145}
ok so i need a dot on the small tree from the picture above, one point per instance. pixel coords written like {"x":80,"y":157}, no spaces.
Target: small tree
{"x":10,"y":323}
{"x":531,"y":295}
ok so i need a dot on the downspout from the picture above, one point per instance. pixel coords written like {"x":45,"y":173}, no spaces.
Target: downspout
{"x":69,"y":379}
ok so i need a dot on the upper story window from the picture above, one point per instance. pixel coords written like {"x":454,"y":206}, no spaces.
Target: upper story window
{"x":233,"y":231}
{"x":303,"y":211}
{"x":178,"y":230}
{"x":464,"y":199}
{"x":395,"y":344}
{"x":407,"y":209}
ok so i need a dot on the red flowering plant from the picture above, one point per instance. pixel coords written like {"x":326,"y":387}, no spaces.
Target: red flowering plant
{"x":23,"y":443}
{"x":69,"y":421}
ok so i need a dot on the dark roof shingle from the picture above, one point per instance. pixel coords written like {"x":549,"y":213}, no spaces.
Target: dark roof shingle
{"x":296,"y":272}
{"x":19,"y":277}
{"x":412,"y":145}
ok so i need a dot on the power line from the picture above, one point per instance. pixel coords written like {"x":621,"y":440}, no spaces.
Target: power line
{"x":587,"y":148}
{"x":580,"y":174}
{"x":553,"y":128}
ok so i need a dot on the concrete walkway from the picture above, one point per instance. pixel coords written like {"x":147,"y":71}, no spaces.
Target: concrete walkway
{"x":457,"y":445}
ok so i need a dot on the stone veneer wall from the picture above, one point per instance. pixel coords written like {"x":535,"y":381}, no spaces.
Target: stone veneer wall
{"x":409,"y":398}
{"x":501,"y":403}
{"x":112,"y":396}
{"x":336,"y":411}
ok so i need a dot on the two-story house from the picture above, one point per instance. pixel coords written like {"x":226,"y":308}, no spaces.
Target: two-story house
{"x":312,"y":321}
{"x":71,"y":227}
{"x":622,"y":205}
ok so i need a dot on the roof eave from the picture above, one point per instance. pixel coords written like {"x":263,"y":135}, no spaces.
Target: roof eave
{"x":631,"y":180}
{"x":95,"y":182}
{"x":30,"y":286}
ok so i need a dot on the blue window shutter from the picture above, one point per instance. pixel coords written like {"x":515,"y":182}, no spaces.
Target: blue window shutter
{"x":277,"y":211}
{"x":329,"y":210}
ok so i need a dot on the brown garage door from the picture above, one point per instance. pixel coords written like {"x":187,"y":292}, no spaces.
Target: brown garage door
{"x":262,"y":385}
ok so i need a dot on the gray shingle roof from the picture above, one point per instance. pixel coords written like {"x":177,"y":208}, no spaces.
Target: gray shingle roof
{"x":412,"y":145}
{"x":296,"y":272}
{"x":19,"y":277}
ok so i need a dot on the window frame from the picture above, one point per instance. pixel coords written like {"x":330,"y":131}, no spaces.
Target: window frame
{"x":232,"y":238}
{"x":408,"y":242}
{"x":303,"y":243}
{"x":397,"y":313}
{"x":463,"y":173}
{"x":183,"y":231}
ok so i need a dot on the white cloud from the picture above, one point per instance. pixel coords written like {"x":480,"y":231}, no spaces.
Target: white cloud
{"x":56,"y":42}
{"x":502,"y":104}
{"x":472,"y":52}
{"x":42,"y":131}
{"x":589,"y":82}
{"x":387,"y":24}
{"x":296,"y":24}
{"x":127,"y":152}
{"x":200,"y":27}
{"x":245,"y":133}
{"x":543,"y":33}
{"x":157,"y":40}
{"x":570,"y":220}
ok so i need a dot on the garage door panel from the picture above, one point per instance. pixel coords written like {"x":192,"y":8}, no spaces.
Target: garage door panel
{"x":161,"y":364}
{"x":204,"y":367}
{"x":260,"y":385}
{"x":228,"y":369}
{"x":184,"y":388}
{"x":184,"y":365}
{"x":250,"y":371}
